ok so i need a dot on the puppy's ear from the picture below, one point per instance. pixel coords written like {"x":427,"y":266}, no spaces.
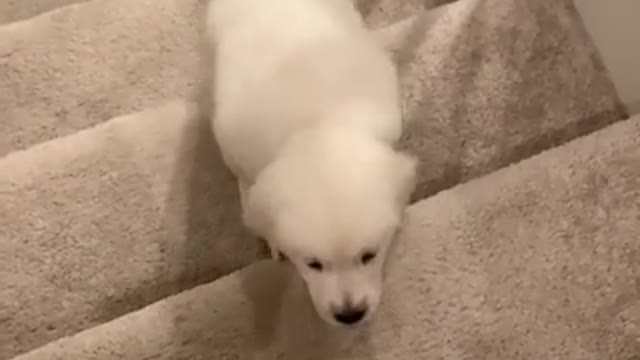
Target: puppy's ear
{"x":404,"y":169}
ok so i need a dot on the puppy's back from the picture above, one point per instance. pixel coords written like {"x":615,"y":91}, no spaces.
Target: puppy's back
{"x":284,"y":65}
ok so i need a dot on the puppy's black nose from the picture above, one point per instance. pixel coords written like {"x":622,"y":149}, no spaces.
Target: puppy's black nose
{"x":350,"y":315}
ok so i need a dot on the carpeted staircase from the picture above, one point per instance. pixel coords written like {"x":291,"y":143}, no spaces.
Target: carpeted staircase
{"x":120,"y":235}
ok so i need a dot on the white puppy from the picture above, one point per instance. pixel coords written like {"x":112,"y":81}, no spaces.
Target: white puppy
{"x":306,"y":115}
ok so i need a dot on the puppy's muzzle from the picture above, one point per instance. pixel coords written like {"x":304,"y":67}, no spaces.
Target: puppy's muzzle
{"x":350,"y":314}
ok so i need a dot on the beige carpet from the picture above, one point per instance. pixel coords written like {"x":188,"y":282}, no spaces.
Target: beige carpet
{"x":113,"y":197}
{"x":536,"y":261}
{"x":86,"y":63}
{"x":15,"y":10}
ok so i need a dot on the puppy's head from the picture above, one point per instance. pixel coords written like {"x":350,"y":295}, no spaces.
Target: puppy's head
{"x":333,"y":211}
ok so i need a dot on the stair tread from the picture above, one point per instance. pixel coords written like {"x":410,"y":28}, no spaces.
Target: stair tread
{"x":109,"y":219}
{"x":83,"y":64}
{"x":12,"y":11}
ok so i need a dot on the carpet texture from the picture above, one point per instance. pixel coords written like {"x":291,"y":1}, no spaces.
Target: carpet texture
{"x":379,"y":13}
{"x":536,"y":261}
{"x":84,"y":64}
{"x":110,"y":219}
{"x":489,"y":82}
{"x":119,"y":225}
{"x":16,"y":10}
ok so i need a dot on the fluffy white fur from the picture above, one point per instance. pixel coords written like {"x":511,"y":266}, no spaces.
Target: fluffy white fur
{"x":306,"y":114}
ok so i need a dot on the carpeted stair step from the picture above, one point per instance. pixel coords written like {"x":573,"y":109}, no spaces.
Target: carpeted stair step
{"x":109,"y":219}
{"x":487,"y":83}
{"x":83,"y":64}
{"x":539,"y":260}
{"x":381,"y":13}
{"x":17,"y":10}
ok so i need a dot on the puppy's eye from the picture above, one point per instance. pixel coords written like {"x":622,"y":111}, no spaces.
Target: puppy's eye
{"x":367,"y":257}
{"x":315,"y":265}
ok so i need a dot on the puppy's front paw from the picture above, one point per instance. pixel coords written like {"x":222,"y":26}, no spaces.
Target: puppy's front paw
{"x":273,"y":252}
{"x":276,"y":254}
